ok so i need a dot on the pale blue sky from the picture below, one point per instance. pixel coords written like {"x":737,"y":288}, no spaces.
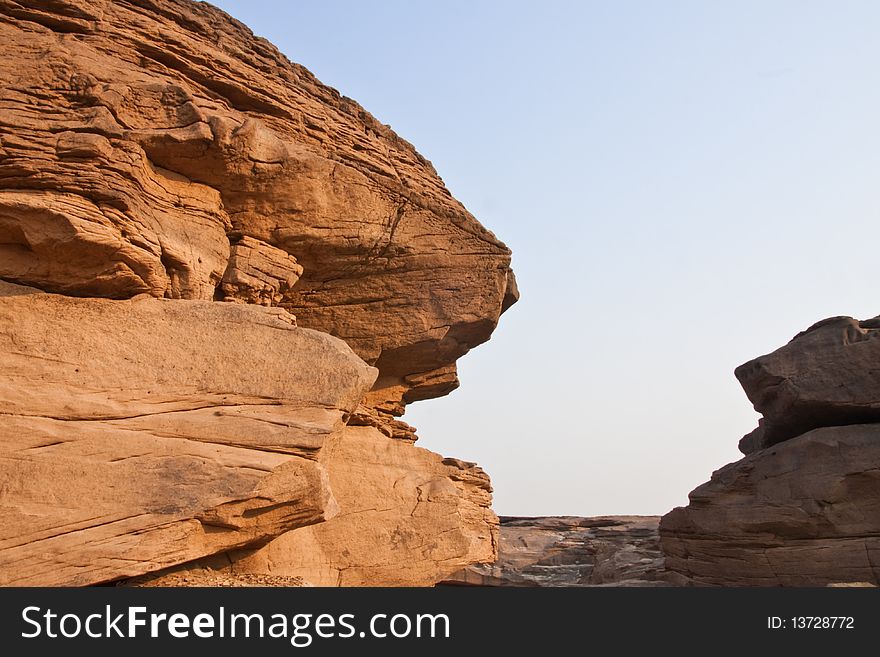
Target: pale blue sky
{"x":685,"y":185}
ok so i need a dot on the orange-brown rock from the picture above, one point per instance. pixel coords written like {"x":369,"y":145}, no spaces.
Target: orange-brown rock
{"x":137,"y":137}
{"x":156,"y":158}
{"x":140,"y":434}
{"x":258,"y":273}
{"x":407,"y":517}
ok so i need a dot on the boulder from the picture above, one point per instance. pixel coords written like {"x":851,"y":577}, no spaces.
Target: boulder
{"x":803,"y":507}
{"x":824,"y":377}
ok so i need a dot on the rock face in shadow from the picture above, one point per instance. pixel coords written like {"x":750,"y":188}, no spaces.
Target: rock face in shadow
{"x":175,"y":198}
{"x":804,"y":512}
{"x":565,"y":551}
{"x":803,"y":507}
{"x":826,"y":376}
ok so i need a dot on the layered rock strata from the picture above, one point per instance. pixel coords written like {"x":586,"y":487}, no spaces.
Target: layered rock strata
{"x":143,"y":433}
{"x":826,"y":376}
{"x":566,"y":551}
{"x":145,"y":144}
{"x":175,"y":196}
{"x":408,"y":517}
{"x":803,"y":507}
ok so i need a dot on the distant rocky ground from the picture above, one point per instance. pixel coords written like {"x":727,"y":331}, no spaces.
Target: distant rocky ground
{"x":574,"y":551}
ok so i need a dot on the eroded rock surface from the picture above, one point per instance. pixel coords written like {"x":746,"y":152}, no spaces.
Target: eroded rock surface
{"x":139,"y":434}
{"x":826,"y":376}
{"x":562,"y":551}
{"x":137,"y":137}
{"x":163,"y":174}
{"x":407,"y":517}
{"x":803,"y":507}
{"x":804,"y":512}
{"x":258,"y":273}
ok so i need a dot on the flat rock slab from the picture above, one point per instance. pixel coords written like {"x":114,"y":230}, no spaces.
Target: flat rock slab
{"x":135,"y":435}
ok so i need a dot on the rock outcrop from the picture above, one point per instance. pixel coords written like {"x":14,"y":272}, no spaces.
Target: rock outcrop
{"x":803,"y":507}
{"x":142,"y":141}
{"x":408,"y":518}
{"x":565,"y":551}
{"x":175,"y":197}
{"x":824,"y":377}
{"x":139,"y":434}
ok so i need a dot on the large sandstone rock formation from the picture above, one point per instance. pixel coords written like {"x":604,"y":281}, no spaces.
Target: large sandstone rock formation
{"x":803,"y":507}
{"x":139,"y":434}
{"x":565,"y":551}
{"x":146,"y":144}
{"x":157,"y":158}
{"x":388,"y":492}
{"x":407,"y":517}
